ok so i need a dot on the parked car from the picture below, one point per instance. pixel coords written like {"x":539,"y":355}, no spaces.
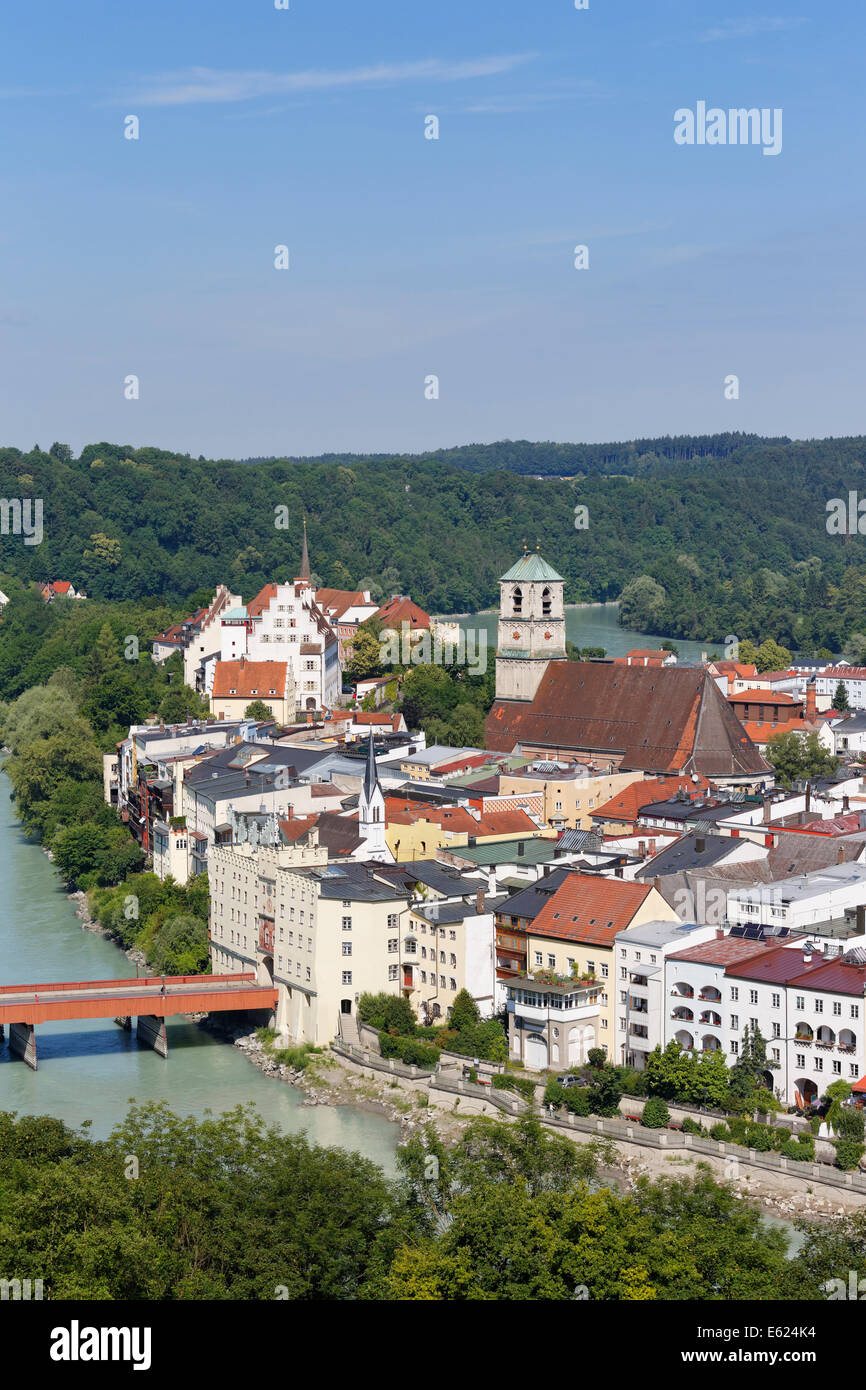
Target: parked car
{"x":569,"y":1079}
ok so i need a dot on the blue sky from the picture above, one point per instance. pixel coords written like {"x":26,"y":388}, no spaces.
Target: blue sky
{"x":412,"y":257}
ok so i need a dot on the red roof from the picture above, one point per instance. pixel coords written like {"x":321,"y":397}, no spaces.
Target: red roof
{"x":726,"y":951}
{"x":591,"y":909}
{"x":263,"y":599}
{"x":61,"y":586}
{"x":845,"y":672}
{"x":762,"y":697}
{"x":759,"y":730}
{"x":402,"y":610}
{"x":626,"y":804}
{"x":237,"y":679}
{"x":336,"y":601}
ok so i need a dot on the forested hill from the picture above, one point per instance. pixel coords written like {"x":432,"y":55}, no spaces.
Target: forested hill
{"x":550,"y":460}
{"x":735,"y":539}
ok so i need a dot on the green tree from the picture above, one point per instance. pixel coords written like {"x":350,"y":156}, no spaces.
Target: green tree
{"x":257,"y":709}
{"x":793,"y":756}
{"x":840,"y":697}
{"x":642,"y":603}
{"x":655,"y":1113}
{"x":772,"y":657}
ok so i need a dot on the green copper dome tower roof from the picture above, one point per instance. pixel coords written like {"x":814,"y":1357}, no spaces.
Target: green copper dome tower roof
{"x":531,"y":567}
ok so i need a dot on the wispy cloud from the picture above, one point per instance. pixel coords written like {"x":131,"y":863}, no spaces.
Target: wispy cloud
{"x":750,"y":28}
{"x":586,"y":88}
{"x":223,"y":85}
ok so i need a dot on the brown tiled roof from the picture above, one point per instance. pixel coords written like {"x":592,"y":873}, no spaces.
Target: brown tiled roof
{"x":263,"y":599}
{"x":236,"y":679}
{"x":591,"y":909}
{"x":402,"y":610}
{"x":657,"y":719}
{"x":337,"y":601}
{"x":626,"y":804}
{"x":726,"y":951}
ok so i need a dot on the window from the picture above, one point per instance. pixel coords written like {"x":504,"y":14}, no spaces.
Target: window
{"x":347,"y":924}
{"x":837,"y":1068}
{"x":441,"y":981}
{"x":453,"y":983}
{"x":735,"y":1022}
{"x":551,"y":962}
{"x":753,"y":996}
{"x":799,"y":1002}
{"x":423,"y":977}
{"x":392,"y":944}
{"x":777,"y":1030}
{"x":775,"y":1000}
{"x":537,"y":957}
{"x":392,"y":972}
{"x":855,"y":1010}
{"x":819,"y":1006}
{"x":347,"y":977}
{"x":604,"y":971}
{"x":392,"y":921}
{"x":735,"y":1047}
{"x":604,"y":1023}
{"x":735,"y":994}
{"x":800,"y":1059}
{"x":818,"y":1063}
{"x":623,"y":973}
{"x":837,"y":1009}
{"x":753,"y":1022}
{"x":347,"y":948}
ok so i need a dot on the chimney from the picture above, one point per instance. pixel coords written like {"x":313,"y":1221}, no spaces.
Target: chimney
{"x":657,"y":884}
{"x":846,"y":805}
{"x":700,"y":845}
{"x":861,"y":920}
{"x":808,"y":796}
{"x":840,"y":855}
{"x":807,"y":954}
{"x":290,"y":811}
{"x":720,"y":935}
{"x":811,"y":710}
{"x":479,"y":901}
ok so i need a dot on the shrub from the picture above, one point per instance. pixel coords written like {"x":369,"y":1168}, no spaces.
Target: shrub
{"x":801,"y":1148}
{"x":720,"y":1131}
{"x":848,"y":1153}
{"x":294,"y":1057}
{"x":409,"y":1051}
{"x":389,"y":1012}
{"x":524,"y":1085}
{"x":655,"y":1113}
{"x":850,"y":1124}
{"x":760,"y":1138}
{"x":554,"y":1094}
{"x":691,"y":1126}
{"x":597,"y":1057}
{"x":578,"y":1100}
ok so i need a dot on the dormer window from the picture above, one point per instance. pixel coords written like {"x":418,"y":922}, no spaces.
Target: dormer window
{"x":518,"y":602}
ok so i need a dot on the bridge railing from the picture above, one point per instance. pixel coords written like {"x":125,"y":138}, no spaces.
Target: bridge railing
{"x":142,"y":981}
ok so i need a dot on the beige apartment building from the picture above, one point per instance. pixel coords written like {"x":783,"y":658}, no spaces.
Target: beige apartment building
{"x":449,"y":946}
{"x":567,"y":797}
{"x":323,"y":935}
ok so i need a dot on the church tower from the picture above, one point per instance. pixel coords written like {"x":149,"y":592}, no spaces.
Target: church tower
{"x":371,"y":812}
{"x":531,"y":626}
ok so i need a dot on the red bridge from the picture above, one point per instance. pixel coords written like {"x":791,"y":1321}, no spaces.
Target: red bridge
{"x":150,"y":999}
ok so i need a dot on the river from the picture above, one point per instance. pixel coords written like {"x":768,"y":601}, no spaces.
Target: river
{"x":594,"y":625}
{"x":91,"y":1069}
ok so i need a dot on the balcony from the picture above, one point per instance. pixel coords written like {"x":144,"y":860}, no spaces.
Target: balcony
{"x":545,"y":1014}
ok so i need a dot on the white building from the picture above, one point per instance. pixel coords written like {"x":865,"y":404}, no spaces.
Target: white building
{"x":853,"y":679}
{"x":801,"y":902}
{"x":641,"y":997}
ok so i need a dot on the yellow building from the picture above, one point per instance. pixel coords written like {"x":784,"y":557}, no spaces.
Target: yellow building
{"x":567,"y":798}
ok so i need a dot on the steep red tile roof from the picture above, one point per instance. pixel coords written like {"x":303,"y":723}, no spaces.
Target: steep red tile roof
{"x":236,"y":679}
{"x":335,"y":602}
{"x":263,"y":599}
{"x":591,"y":909}
{"x":402,"y":610}
{"x":653,"y":719}
{"x":626,"y":804}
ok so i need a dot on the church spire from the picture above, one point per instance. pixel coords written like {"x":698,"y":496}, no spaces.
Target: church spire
{"x":371,"y":781}
{"x":305,"y":556}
